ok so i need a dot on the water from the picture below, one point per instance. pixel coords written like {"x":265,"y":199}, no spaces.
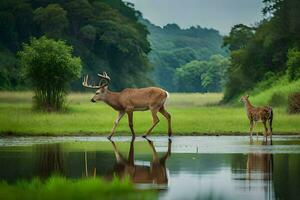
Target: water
{"x":225,"y":167}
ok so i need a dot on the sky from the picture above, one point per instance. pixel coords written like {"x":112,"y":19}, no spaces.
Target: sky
{"x":218,"y":14}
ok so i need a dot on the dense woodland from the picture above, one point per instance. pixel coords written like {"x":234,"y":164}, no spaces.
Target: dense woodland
{"x":105,"y":34}
{"x":111,"y":35}
{"x":265,"y":52}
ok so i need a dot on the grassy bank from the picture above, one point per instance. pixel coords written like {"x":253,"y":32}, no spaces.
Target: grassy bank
{"x":190,"y":115}
{"x":274,"y":92}
{"x":61,"y":188}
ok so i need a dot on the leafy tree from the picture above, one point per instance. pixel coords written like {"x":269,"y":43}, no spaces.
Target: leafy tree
{"x":238,"y":37}
{"x":52,"y":19}
{"x":293,"y":64}
{"x":50,"y":67}
{"x":202,"y":76}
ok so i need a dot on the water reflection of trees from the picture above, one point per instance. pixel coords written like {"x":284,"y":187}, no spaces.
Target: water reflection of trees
{"x":49,"y":160}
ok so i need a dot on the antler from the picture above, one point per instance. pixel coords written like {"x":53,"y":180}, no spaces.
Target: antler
{"x":104,"y":76}
{"x":85,"y":83}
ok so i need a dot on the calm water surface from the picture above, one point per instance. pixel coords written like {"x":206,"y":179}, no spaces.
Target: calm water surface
{"x":226,"y":167}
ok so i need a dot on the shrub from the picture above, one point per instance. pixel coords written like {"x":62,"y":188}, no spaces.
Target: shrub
{"x":50,"y":67}
{"x":277,"y":99}
{"x":293,"y":64}
{"x":294,"y":103}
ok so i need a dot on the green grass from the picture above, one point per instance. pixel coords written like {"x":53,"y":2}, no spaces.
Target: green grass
{"x":56,"y":188}
{"x":266,"y":91}
{"x":189,"y":116}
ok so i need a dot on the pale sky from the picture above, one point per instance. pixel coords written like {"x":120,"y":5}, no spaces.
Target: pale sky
{"x":218,"y":14}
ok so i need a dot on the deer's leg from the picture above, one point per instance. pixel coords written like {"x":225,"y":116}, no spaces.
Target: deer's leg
{"x":131,"y":153}
{"x":163,"y":111}
{"x":251,"y":129}
{"x":154,"y":153}
{"x":155,"y":121}
{"x":120,"y":159}
{"x":120,"y":115}
{"x":130,"y":122}
{"x":168,"y":153}
{"x":271,"y":129}
{"x":266,"y":130}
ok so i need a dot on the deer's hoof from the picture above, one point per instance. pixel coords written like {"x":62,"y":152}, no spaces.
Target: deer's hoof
{"x":144,"y":136}
{"x":109,"y":137}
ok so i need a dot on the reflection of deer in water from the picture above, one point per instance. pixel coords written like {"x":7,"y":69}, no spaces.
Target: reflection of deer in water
{"x":155,"y":173}
{"x":261,"y":163}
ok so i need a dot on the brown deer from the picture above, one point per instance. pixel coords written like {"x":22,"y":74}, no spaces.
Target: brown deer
{"x":155,"y":173}
{"x":255,"y":114}
{"x":130,"y":100}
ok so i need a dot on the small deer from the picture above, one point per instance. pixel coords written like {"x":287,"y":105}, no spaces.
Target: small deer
{"x":130,"y":100}
{"x":255,"y":114}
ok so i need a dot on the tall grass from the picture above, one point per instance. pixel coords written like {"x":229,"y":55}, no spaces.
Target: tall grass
{"x":56,"y":188}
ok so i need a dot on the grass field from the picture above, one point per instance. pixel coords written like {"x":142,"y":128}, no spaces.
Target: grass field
{"x":62,"y":188}
{"x":192,"y":114}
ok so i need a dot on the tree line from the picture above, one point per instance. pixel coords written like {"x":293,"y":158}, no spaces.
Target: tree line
{"x":266,"y":51}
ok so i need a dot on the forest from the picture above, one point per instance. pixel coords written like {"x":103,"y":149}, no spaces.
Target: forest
{"x":112,"y":36}
{"x":267,"y":53}
{"x":105,"y":34}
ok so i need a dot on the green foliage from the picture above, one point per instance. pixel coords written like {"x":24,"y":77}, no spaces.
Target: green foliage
{"x":105,"y":34}
{"x":50,"y":67}
{"x":268,"y":48}
{"x":293,"y":64}
{"x":173,"y":47}
{"x":52,"y":19}
{"x":62,"y":188}
{"x":294,"y":103}
{"x":202,"y":76}
{"x":238,"y":37}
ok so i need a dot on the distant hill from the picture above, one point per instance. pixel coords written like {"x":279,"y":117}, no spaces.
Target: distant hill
{"x":173,"y":47}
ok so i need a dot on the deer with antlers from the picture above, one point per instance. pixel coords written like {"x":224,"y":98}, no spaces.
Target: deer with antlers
{"x":255,"y":114}
{"x":129,"y":100}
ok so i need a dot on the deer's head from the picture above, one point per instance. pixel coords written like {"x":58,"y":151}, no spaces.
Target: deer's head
{"x":102,"y":88}
{"x":244,"y":99}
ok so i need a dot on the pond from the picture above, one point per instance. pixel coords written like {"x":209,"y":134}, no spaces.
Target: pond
{"x":224,"y":167}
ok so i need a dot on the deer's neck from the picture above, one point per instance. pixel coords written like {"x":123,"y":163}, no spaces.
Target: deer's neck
{"x":112,"y":99}
{"x":248,"y":105}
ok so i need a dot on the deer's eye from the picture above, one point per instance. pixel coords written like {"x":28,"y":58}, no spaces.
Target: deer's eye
{"x":97,"y":92}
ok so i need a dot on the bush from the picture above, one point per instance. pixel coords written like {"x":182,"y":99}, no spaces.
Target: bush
{"x":50,"y":67}
{"x":277,"y":99}
{"x":293,"y":64}
{"x":294,"y":103}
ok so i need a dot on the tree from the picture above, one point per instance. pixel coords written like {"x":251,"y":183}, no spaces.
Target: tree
{"x":293,"y":64}
{"x":49,"y":66}
{"x":238,"y":37}
{"x":52,"y":19}
{"x":202,"y":76}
